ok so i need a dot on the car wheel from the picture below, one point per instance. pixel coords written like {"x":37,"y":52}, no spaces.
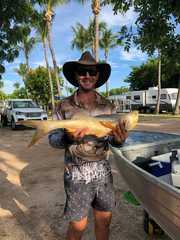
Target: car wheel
{"x":13,"y":124}
{"x":4,"y":121}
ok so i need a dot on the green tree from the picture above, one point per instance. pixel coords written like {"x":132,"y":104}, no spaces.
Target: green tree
{"x":13,"y":14}
{"x":27,"y":44}
{"x":118,"y":91}
{"x":80,"y":36}
{"x":2,"y":94}
{"x":16,"y":85}
{"x":19,"y":92}
{"x":41,"y":29}
{"x":85,"y":37}
{"x":96,"y":8}
{"x":143,"y":76}
{"x":1,"y":84}
{"x":48,"y":7}
{"x":153,"y":15}
{"x":22,"y":71}
{"x":38,"y":85}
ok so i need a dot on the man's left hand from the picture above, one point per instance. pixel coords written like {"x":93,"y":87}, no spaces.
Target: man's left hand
{"x":120,"y":133}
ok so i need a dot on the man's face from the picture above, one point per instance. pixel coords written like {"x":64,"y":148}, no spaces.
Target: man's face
{"x":87,"y":77}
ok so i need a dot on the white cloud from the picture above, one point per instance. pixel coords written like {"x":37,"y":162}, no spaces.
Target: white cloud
{"x":108,"y":16}
{"x":133,"y":55}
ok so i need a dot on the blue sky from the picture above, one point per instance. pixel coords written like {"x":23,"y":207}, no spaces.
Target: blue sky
{"x":66,"y":17}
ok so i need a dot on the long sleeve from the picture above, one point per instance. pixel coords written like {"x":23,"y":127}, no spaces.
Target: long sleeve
{"x":59,"y":137}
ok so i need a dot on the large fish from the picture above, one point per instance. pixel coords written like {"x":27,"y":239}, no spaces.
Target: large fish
{"x":96,"y":126}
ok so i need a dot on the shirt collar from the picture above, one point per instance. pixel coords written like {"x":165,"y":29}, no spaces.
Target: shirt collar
{"x":99,"y":99}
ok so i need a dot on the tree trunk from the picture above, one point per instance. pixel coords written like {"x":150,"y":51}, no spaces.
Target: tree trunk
{"x":177,"y":105}
{"x":53,"y":58}
{"x":107,"y":82}
{"x":159,"y":82}
{"x":26,"y":56}
{"x":97,"y":37}
{"x":49,"y":75}
{"x":27,"y":66}
{"x":96,"y":9}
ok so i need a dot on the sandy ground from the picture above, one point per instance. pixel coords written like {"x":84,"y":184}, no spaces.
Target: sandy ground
{"x":32,"y":196}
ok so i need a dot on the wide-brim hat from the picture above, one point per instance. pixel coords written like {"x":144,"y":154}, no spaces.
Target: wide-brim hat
{"x":86,"y":59}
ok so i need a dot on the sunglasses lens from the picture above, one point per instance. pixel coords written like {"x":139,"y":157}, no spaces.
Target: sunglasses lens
{"x":92,"y":72}
{"x":83,"y":72}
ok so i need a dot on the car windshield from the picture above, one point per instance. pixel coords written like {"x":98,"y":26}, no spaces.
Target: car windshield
{"x":24,"y":104}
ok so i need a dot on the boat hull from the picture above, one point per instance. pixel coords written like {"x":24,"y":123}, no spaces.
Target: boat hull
{"x":159,"y":199}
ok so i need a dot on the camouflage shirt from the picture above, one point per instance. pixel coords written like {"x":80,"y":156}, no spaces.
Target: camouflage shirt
{"x":90,"y":150}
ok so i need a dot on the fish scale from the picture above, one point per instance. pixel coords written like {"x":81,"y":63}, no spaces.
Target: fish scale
{"x":98,"y":127}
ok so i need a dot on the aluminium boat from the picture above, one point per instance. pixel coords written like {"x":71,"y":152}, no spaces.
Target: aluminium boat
{"x":159,"y":198}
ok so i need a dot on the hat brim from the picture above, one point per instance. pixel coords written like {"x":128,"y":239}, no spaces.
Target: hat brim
{"x":69,"y":69}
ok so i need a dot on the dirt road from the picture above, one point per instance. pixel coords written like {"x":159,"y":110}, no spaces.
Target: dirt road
{"x":32,"y":196}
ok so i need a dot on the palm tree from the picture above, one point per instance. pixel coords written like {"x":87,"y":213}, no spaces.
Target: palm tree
{"x":159,"y":82}
{"x":27,"y":44}
{"x":107,"y":41}
{"x":85,"y":37}
{"x":41,"y":29}
{"x":80,"y":37}
{"x":95,"y":6}
{"x":16,"y":85}
{"x":48,"y":6}
{"x":96,"y":10}
{"x":22,"y":71}
{"x":1,"y":84}
{"x":177,"y":105}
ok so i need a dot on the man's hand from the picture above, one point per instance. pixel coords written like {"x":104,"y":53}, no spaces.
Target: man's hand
{"x":120,"y":133}
{"x":80,"y":133}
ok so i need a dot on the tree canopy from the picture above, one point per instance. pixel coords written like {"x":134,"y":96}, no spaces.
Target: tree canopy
{"x":145,"y":75}
{"x":37,"y":84}
{"x":12,"y":15}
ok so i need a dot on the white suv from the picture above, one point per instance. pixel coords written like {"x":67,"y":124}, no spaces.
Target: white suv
{"x":16,"y":110}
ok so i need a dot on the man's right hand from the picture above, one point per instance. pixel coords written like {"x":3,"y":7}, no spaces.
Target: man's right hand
{"x":80,"y":133}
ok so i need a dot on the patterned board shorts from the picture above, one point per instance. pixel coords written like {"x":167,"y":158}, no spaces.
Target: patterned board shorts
{"x":81,"y":196}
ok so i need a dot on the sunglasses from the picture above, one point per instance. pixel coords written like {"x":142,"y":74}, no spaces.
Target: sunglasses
{"x":83,"y":72}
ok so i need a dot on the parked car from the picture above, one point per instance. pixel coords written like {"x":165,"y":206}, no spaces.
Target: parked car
{"x":16,"y":110}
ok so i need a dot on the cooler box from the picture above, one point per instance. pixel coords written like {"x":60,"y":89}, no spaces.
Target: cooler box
{"x":160,"y":167}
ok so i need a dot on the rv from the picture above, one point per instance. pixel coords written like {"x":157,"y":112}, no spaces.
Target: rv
{"x":146,"y":100}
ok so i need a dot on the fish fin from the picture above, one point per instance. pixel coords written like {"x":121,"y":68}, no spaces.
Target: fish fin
{"x":40,"y":129}
{"x":35,"y":138}
{"x":107,"y":124}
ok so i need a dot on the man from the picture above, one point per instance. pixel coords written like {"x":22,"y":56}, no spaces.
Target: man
{"x":87,"y":177}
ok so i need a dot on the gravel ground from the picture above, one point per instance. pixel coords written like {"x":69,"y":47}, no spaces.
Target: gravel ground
{"x":32,"y":195}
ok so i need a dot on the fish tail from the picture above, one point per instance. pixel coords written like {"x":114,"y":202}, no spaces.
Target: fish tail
{"x":40,"y":130}
{"x":36,"y":137}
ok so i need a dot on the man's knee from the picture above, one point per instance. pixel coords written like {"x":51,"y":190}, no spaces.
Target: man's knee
{"x":102,"y":219}
{"x":78,"y":227}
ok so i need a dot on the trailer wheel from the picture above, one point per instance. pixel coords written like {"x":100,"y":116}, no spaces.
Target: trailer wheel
{"x":151,"y":227}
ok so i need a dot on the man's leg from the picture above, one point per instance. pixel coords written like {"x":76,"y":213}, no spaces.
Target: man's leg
{"x":102,"y":223}
{"x":76,"y":229}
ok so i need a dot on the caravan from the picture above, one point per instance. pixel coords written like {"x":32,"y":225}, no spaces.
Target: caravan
{"x":146,"y":100}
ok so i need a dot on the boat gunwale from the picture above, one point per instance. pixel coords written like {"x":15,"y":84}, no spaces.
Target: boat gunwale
{"x":118,"y":152}
{"x":139,"y":145}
